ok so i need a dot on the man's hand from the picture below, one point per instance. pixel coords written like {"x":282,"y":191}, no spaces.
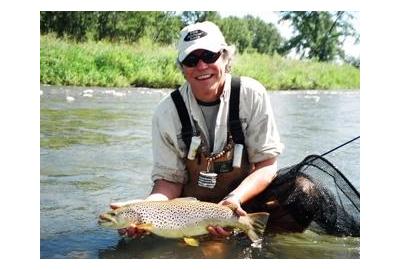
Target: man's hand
{"x":233,"y":202}
{"x":132,"y":232}
{"x":219,"y":231}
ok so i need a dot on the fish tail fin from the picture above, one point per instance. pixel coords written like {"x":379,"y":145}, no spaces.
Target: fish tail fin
{"x":255,"y":224}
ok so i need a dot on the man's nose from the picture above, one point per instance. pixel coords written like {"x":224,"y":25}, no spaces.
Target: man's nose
{"x":201,"y":65}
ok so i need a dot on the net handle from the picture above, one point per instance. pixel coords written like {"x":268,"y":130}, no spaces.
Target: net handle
{"x":346,"y":180}
{"x":340,"y":146}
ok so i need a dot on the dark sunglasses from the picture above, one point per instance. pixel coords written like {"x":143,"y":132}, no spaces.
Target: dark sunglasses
{"x":206,"y":56}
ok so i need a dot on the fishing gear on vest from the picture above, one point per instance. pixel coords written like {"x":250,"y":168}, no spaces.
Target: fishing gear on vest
{"x":234,"y":148}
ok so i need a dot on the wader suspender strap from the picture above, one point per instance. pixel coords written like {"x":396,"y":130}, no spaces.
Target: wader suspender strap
{"x":186,"y":131}
{"x":235,"y":126}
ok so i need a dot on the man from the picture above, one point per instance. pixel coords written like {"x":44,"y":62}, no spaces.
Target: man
{"x":219,"y":158}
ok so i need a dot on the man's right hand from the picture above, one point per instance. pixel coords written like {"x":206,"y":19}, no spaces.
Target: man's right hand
{"x":132,"y":232}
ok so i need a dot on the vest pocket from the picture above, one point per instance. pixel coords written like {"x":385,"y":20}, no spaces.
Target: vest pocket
{"x":223,"y":166}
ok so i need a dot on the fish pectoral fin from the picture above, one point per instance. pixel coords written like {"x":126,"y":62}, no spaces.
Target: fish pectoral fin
{"x":145,"y":227}
{"x":191,"y":241}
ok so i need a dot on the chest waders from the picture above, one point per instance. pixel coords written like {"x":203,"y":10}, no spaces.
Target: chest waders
{"x":228,"y":177}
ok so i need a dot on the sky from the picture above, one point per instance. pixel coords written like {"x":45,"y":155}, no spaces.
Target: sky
{"x":286,"y":30}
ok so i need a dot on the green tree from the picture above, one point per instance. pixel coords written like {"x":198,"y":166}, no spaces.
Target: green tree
{"x":132,"y":25}
{"x":318,"y":35}
{"x":166,"y":27}
{"x":189,"y":17}
{"x":106,"y":25}
{"x":67,"y":23}
{"x":236,"y":32}
{"x":266,"y":37}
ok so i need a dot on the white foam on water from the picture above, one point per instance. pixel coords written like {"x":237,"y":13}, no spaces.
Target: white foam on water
{"x":69,"y":98}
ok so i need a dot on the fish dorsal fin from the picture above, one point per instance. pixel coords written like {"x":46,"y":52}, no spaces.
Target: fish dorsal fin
{"x":185,"y":199}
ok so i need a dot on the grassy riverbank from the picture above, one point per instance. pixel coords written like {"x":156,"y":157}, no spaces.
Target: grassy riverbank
{"x":145,"y":64}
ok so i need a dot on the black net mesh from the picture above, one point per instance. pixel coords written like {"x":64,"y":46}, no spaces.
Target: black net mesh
{"x":312,"y":194}
{"x":330,"y":198}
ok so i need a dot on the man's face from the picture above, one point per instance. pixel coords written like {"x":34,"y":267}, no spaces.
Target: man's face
{"x":205,"y":79}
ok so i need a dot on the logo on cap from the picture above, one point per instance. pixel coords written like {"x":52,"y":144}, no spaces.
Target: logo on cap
{"x":193,"y":35}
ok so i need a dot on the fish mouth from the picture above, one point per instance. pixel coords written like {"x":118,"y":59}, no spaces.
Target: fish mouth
{"x":106,"y":220}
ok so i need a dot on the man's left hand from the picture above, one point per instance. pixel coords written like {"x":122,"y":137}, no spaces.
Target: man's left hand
{"x":233,"y":202}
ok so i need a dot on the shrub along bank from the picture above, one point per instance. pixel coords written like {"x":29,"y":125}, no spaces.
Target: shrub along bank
{"x":145,"y":64}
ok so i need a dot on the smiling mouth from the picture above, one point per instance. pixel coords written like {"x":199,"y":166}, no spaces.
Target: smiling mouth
{"x":204,"y":77}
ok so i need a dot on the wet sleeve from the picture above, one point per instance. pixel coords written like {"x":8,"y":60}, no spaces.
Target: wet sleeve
{"x":168,"y":162}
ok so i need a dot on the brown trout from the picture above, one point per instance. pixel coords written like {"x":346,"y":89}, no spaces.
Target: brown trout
{"x":183,"y":218}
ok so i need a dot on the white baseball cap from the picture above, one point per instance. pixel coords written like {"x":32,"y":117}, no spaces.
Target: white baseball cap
{"x":204,"y":35}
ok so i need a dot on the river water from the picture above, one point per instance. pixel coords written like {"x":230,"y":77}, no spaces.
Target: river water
{"x":96,"y":149}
